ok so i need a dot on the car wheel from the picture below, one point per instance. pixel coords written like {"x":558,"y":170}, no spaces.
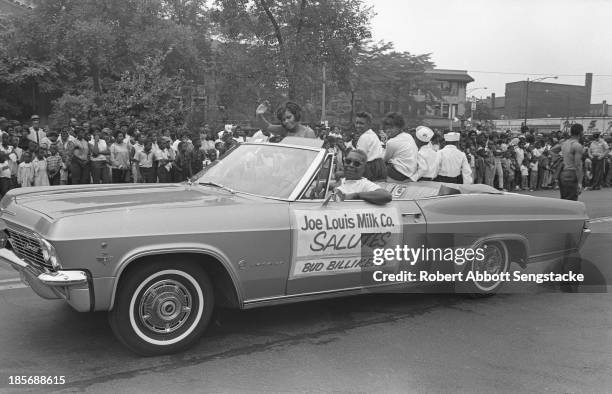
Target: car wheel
{"x":162,"y":308}
{"x":496,"y":261}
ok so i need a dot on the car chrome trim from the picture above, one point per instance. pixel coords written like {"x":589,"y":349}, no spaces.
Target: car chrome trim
{"x":305,"y":147}
{"x":325,"y":294}
{"x":218,"y":255}
{"x":63,"y":278}
{"x":283,"y":298}
{"x":73,"y":286}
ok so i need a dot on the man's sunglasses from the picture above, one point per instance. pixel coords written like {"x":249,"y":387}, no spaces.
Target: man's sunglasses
{"x":353,"y":163}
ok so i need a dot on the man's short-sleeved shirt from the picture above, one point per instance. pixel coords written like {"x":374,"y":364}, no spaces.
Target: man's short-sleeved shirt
{"x":371,"y":145}
{"x":362,"y":185}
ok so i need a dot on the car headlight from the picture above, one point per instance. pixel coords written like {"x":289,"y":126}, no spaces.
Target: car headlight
{"x":49,"y":254}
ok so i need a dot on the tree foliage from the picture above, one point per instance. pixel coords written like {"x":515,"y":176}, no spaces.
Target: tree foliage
{"x":118,"y":58}
{"x":296,"y":37}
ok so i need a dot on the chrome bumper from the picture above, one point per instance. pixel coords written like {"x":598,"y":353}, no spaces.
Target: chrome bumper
{"x":73,"y":286}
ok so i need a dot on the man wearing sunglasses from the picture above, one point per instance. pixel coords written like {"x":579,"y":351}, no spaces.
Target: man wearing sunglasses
{"x":355,"y":186}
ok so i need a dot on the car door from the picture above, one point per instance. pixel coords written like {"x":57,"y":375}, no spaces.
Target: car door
{"x":332,"y":243}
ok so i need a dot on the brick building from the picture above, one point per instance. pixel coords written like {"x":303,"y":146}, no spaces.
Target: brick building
{"x":543,"y":99}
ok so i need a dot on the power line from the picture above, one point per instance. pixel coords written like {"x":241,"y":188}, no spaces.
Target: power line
{"x":560,"y":75}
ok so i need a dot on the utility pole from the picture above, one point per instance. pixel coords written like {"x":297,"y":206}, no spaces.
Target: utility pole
{"x":323,"y":115}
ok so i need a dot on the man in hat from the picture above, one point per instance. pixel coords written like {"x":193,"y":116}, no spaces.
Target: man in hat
{"x":402,"y":152}
{"x":428,"y":158}
{"x":598,"y":149}
{"x":454,"y":165}
{"x":36,"y":133}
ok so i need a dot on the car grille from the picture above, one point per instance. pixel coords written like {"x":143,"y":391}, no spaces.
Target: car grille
{"x":26,"y":246}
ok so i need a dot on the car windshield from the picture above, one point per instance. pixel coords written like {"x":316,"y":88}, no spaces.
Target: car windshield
{"x":263,"y":169}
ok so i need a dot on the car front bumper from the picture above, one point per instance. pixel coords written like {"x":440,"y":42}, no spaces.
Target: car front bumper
{"x":73,"y":286}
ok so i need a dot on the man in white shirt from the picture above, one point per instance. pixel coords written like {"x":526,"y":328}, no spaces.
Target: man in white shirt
{"x":3,"y":126}
{"x":454,"y":165}
{"x":355,"y":186}
{"x":402,"y":152}
{"x":428,"y":158}
{"x":368,"y":141}
{"x":36,"y":133}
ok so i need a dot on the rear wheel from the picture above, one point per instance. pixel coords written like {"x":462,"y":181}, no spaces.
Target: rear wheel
{"x":486,"y":274}
{"x":162,"y":307}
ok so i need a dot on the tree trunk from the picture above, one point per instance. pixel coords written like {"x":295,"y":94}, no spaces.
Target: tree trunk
{"x":95,"y":76}
{"x":282,"y":49}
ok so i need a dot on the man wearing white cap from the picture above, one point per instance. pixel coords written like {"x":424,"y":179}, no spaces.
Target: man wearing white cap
{"x":36,"y":133}
{"x":454,"y":165}
{"x":428,"y":158}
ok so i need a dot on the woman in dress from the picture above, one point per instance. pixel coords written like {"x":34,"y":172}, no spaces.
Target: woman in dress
{"x":289,"y":114}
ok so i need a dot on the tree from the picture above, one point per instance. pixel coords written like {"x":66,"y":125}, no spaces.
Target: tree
{"x":74,"y":46}
{"x":298,"y":37}
{"x":147,"y":94}
{"x":380,"y":73}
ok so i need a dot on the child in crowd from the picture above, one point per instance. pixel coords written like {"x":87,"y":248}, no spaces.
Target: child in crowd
{"x":480,"y":166}
{"x":5,"y":174}
{"x":544,"y":169}
{"x":533,"y":171}
{"x":54,"y":165}
{"x":212,"y":156}
{"x":144,"y":158}
{"x":182,"y":164}
{"x":41,"y":177}
{"x":588,"y":172}
{"x":524,"y":174}
{"x":506,"y":162}
{"x":25,"y":172}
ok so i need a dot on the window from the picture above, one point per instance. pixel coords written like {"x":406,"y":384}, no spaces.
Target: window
{"x":445,"y":109}
{"x":318,"y":187}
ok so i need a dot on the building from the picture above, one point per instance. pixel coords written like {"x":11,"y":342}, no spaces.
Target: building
{"x":602,"y":109}
{"x":497,"y":105}
{"x":453,"y":104}
{"x":534,"y":99}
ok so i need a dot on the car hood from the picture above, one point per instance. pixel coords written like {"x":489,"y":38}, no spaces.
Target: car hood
{"x":59,"y":201}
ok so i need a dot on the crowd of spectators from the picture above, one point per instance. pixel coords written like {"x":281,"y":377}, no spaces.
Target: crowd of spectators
{"x":83,"y":153}
{"x":506,"y":160}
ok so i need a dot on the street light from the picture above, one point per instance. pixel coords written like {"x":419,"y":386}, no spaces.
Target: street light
{"x":473,"y":102}
{"x":527,"y":93}
{"x":471,"y":90}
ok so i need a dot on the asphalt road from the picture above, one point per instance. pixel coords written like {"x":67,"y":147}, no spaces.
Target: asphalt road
{"x":545,"y":341}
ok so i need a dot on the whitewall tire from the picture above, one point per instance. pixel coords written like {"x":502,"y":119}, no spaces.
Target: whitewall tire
{"x":162,"y":308}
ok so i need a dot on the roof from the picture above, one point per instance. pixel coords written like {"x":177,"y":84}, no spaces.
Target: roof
{"x":450,"y":75}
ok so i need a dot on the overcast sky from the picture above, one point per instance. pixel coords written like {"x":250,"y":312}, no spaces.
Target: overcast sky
{"x":493,"y":38}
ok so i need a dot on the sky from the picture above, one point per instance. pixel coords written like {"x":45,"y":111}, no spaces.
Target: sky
{"x":501,"y":41}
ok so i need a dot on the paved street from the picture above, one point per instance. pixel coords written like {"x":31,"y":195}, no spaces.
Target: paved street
{"x":547,"y":341}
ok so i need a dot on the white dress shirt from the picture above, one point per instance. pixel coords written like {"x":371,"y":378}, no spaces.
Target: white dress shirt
{"x":402,"y":153}
{"x":371,"y":145}
{"x":453,"y":163}
{"x":429,"y":162}
{"x":40,"y":133}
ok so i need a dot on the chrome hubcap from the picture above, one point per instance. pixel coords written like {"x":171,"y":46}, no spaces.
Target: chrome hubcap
{"x":493,"y":262}
{"x":165,"y":306}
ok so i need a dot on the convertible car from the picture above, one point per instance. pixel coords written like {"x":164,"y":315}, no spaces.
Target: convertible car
{"x":262,"y":227}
